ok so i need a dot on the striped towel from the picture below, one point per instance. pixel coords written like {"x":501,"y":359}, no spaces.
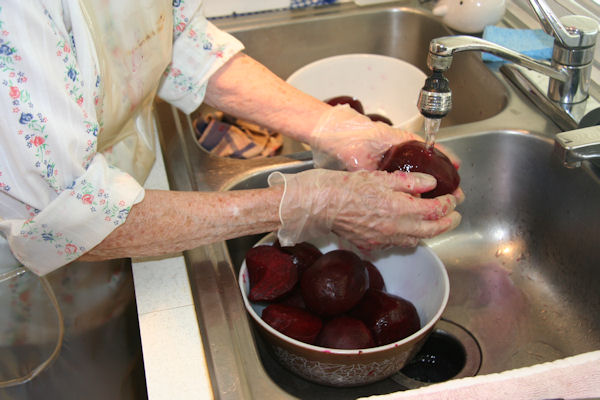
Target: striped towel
{"x":226,"y":136}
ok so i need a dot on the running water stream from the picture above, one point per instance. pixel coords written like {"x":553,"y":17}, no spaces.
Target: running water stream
{"x":431,"y":126}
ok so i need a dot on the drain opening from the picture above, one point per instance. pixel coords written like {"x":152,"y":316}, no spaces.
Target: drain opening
{"x":441,"y":358}
{"x":450,"y":352}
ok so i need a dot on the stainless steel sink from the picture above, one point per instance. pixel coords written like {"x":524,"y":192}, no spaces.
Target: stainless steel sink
{"x":403,"y":32}
{"x":522,"y":264}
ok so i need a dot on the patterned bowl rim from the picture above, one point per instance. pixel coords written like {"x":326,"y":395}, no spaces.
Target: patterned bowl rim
{"x":371,"y":350}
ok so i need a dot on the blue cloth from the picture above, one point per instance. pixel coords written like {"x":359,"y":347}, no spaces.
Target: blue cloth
{"x":534,"y":43}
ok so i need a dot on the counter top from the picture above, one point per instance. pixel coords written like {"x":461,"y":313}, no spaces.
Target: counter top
{"x":172,"y":346}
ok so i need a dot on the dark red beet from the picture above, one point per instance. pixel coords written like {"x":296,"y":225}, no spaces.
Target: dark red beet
{"x":303,"y":254}
{"x":413,"y":156}
{"x":375,"y":279}
{"x":293,"y":322}
{"x":345,"y":333}
{"x":351,"y":101}
{"x":334,"y":283}
{"x":272,"y":273}
{"x":293,"y":298}
{"x":380,"y":118}
{"x":390,"y":318}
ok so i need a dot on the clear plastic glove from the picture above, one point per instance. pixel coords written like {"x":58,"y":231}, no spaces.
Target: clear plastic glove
{"x":345,"y":139}
{"x":372,"y":210}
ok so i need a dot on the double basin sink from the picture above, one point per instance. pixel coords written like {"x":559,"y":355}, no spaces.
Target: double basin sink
{"x":523,"y":264}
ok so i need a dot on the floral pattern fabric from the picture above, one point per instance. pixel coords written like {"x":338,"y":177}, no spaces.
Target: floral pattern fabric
{"x":59,"y":196}
{"x":199,"y":50}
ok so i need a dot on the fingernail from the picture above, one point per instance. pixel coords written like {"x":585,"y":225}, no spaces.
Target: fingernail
{"x":456,"y":218}
{"x":453,"y":201}
{"x":460,"y":196}
{"x":424,"y":179}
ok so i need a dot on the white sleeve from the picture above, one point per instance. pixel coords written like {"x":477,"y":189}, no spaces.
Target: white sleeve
{"x":58,"y":196}
{"x":199,"y":49}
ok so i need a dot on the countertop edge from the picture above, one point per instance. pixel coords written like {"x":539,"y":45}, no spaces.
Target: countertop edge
{"x":174,"y":360}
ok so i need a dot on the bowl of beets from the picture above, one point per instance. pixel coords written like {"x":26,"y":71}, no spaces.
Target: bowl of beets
{"x":336,"y":318}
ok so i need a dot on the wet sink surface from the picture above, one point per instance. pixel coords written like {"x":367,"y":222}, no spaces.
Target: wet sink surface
{"x":523,"y":264}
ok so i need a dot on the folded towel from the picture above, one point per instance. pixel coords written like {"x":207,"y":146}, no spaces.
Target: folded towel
{"x":576,"y":377}
{"x":227,"y":136}
{"x":534,"y":43}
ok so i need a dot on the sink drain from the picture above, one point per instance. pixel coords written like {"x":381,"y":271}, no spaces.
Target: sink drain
{"x":450,"y":352}
{"x":441,"y":358}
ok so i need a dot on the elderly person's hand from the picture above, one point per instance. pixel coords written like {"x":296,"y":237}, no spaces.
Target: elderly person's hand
{"x":370,"y":209}
{"x":344,"y":138}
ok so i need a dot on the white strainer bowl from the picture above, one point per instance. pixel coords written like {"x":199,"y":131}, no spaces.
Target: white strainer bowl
{"x":384,"y":85}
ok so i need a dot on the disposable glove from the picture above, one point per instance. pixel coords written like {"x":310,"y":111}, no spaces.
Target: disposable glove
{"x":372,"y":210}
{"x":345,"y":139}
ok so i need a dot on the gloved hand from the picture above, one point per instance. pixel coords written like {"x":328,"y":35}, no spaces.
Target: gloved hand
{"x":370,"y":209}
{"x":345,"y":139}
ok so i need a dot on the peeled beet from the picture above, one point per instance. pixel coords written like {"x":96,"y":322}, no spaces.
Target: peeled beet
{"x":390,"y":318}
{"x":380,"y":118}
{"x":334,"y":283}
{"x":345,"y":333}
{"x":303,"y":254}
{"x":293,"y":322}
{"x":351,"y":101}
{"x":413,"y":156}
{"x":293,"y":298}
{"x":375,"y":278}
{"x":272,"y":273}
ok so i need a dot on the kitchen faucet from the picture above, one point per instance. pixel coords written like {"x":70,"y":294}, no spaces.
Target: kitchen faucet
{"x":569,"y":71}
{"x":569,"y":75}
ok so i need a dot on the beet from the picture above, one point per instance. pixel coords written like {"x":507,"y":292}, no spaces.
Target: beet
{"x":334,"y":283}
{"x":293,"y":298}
{"x":375,"y":278}
{"x":413,"y":156}
{"x":293,"y":322}
{"x":303,"y":254}
{"x":272,"y":273}
{"x":351,"y":101}
{"x":390,"y":318}
{"x":345,"y":333}
{"x":380,"y":118}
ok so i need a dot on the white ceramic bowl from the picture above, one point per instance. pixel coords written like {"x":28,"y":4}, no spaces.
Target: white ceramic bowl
{"x":470,"y":16}
{"x":384,"y":85}
{"x":417,"y":275}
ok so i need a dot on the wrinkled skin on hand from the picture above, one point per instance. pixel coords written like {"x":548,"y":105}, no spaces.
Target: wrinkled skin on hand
{"x":346,"y":139}
{"x":371,"y":209}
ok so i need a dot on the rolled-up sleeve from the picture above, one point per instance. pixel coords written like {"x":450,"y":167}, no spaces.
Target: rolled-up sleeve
{"x":79,"y":218}
{"x":58,"y":196}
{"x":199,"y":49}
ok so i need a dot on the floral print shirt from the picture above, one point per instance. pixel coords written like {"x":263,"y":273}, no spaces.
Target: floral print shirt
{"x":60,"y":196}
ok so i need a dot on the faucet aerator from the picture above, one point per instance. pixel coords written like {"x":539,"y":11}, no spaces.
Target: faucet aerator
{"x":435,"y":98}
